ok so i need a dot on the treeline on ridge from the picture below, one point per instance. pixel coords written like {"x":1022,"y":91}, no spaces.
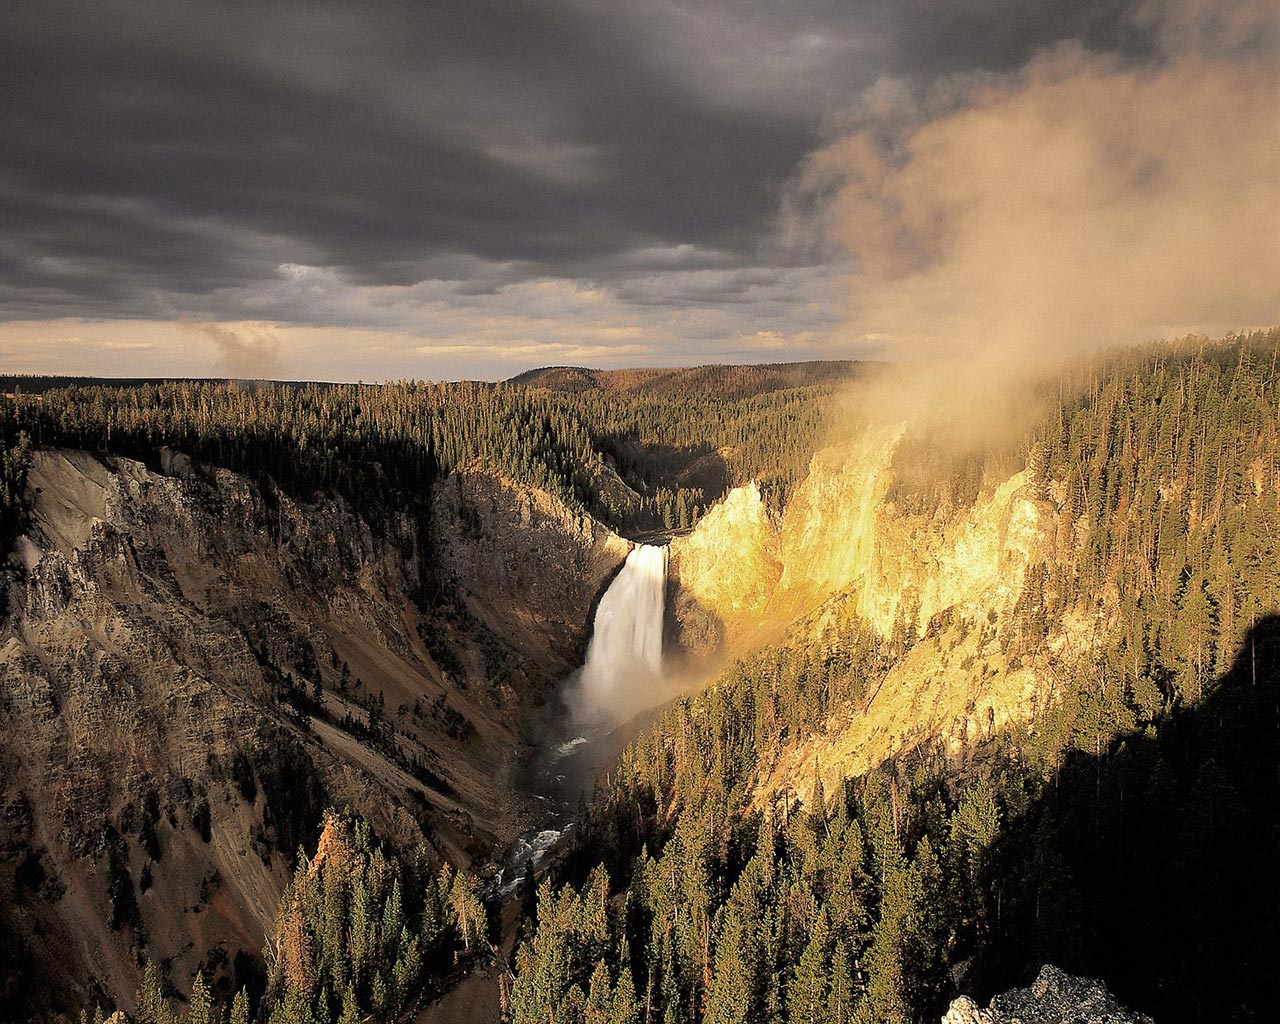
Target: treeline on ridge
{"x":381,"y":446}
{"x":1127,"y":831}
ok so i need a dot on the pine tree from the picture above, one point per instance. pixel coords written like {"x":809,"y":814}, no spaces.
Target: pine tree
{"x":840,"y":993}
{"x":152,"y":1008}
{"x":730,"y":998}
{"x":807,"y":1000}
{"x":599,"y":1006}
{"x":468,"y":910}
{"x":240,"y":1007}
{"x":200,"y":1005}
{"x":350,"y":1011}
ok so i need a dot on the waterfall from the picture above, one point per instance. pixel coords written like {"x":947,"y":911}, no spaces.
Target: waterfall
{"x":624,"y":658}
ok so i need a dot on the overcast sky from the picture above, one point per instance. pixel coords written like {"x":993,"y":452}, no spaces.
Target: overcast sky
{"x":458,"y":187}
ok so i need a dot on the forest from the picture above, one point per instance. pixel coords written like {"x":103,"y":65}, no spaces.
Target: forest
{"x":1129,"y":831}
{"x":676,"y":451}
{"x":361,"y":932}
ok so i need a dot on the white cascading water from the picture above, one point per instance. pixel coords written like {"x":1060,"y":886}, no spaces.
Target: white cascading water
{"x":621,"y":676}
{"x":624,"y":658}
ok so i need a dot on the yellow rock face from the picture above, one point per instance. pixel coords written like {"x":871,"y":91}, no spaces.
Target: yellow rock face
{"x":946,"y":687}
{"x":838,"y":534}
{"x":979,"y":555}
{"x":841,"y":536}
{"x":830,"y":532}
{"x":727,"y":567}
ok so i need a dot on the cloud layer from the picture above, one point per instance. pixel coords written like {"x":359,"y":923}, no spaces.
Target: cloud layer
{"x":1082,"y":201}
{"x":530,"y":182}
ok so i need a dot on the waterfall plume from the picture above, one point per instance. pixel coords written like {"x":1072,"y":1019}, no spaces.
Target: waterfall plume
{"x":623,"y":668}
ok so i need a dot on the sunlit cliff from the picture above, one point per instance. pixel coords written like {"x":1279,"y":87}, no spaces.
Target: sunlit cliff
{"x":942,"y":585}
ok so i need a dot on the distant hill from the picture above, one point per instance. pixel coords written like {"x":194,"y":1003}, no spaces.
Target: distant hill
{"x":721,"y":381}
{"x":38,"y":384}
{"x":729,"y":382}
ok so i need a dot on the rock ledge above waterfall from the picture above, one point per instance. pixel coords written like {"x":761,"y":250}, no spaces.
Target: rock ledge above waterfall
{"x":1055,"y":997}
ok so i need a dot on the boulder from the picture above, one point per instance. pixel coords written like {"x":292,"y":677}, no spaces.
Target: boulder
{"x":1055,"y":997}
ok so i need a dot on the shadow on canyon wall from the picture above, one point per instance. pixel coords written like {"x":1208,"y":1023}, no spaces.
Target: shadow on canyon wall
{"x":1156,"y":865}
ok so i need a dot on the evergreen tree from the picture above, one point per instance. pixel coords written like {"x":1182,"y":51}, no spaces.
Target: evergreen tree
{"x":840,"y":992}
{"x":201,"y":1004}
{"x":807,"y":995}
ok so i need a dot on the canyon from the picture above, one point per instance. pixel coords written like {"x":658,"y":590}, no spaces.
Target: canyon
{"x":221,"y":660}
{"x":949,"y":577}
{"x":194,"y":668}
{"x":197,"y":663}
{"x":224,"y":662}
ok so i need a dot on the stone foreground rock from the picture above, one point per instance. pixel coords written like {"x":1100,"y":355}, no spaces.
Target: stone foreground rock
{"x":1055,"y":997}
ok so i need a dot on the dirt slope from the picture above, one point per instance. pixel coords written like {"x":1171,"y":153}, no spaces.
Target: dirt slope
{"x":192,"y":668}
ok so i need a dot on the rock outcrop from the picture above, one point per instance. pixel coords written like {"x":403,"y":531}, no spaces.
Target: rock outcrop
{"x":527,"y":565}
{"x":193,"y":666}
{"x":939,"y":585}
{"x":840,"y":534}
{"x":1055,"y":997}
{"x":722,"y":575}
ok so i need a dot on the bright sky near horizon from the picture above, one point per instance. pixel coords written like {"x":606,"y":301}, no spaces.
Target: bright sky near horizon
{"x":469,"y":188}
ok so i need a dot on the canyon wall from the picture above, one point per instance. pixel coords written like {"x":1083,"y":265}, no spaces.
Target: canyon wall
{"x":940,"y":584}
{"x":840,"y":533}
{"x":523,"y":562}
{"x":194,"y":666}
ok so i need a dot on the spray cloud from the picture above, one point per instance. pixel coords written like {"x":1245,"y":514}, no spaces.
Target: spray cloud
{"x":1081,"y":202}
{"x":244,"y":350}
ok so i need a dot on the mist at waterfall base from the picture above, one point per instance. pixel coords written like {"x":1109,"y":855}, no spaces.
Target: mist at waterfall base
{"x":622,"y":676}
{"x":623,"y":672}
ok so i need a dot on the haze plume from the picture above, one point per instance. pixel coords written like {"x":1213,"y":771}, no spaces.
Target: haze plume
{"x":1081,"y":202}
{"x":244,"y":350}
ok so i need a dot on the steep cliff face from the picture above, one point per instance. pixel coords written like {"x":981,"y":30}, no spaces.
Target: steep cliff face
{"x":834,"y":527}
{"x":839,"y":533}
{"x":921,"y":566}
{"x":940,"y":587}
{"x":524,"y":563}
{"x":740,"y":578}
{"x":193,"y":667}
{"x":723,"y":574}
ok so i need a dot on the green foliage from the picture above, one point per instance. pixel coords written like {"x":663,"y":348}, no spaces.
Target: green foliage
{"x":360,"y":933}
{"x":357,"y":927}
{"x":15,"y":454}
{"x":382,"y":446}
{"x":1162,"y":469}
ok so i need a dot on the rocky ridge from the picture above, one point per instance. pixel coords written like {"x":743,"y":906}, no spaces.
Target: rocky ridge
{"x":1055,"y":997}
{"x":942,"y":586}
{"x":841,"y":534}
{"x":193,"y":666}
{"x":524,"y":563}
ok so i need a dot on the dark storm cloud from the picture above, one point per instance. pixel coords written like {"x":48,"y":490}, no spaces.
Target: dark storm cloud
{"x":164,"y":158}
